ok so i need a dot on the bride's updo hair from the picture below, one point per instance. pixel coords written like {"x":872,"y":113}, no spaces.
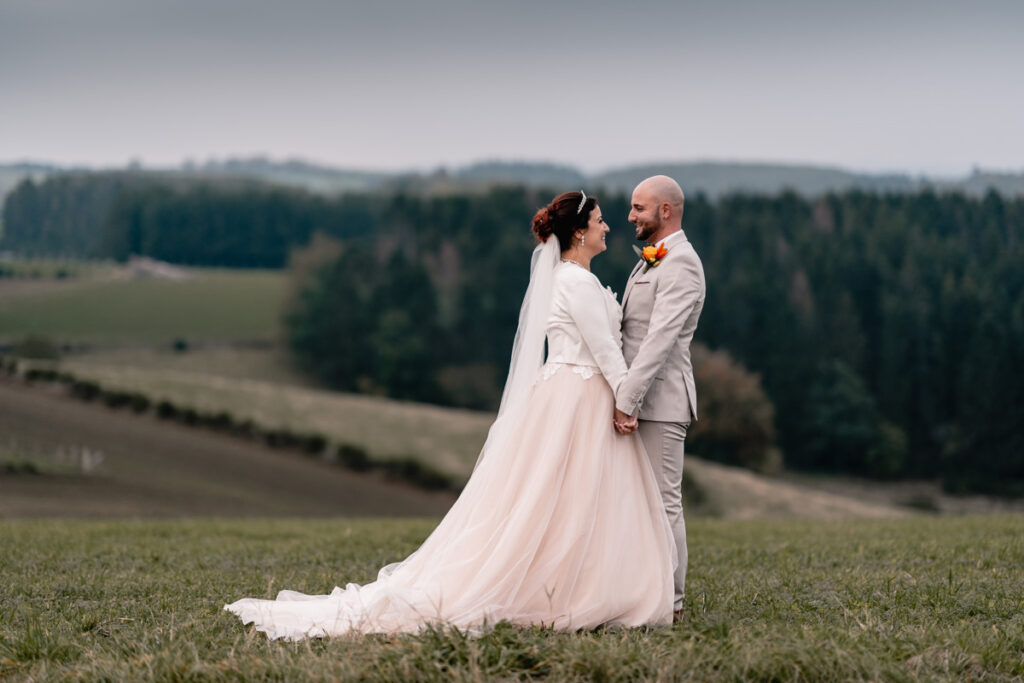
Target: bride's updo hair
{"x":560,"y":218}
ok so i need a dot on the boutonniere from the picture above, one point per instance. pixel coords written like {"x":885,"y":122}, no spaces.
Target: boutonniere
{"x":651,"y":255}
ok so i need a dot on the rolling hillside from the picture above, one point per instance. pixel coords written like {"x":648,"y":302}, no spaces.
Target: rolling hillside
{"x":149,"y":468}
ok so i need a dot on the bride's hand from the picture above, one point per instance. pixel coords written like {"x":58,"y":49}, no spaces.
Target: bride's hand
{"x":624,"y":424}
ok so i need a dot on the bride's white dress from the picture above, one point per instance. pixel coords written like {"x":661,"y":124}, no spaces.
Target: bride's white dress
{"x":561,"y":523}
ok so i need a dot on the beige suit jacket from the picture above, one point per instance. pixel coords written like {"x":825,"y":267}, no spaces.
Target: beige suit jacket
{"x":660,"y":311}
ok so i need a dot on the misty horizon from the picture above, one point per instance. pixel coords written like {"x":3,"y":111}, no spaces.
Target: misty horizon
{"x":427,"y":170}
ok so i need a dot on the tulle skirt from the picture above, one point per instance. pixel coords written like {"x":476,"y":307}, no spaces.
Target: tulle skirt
{"x":567,"y":530}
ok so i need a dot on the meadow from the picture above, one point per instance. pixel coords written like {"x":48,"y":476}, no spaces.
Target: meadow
{"x":107,"y":305}
{"x":911,"y":599}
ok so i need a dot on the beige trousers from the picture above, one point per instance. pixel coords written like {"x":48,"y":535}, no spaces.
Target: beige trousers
{"x":664,"y":443}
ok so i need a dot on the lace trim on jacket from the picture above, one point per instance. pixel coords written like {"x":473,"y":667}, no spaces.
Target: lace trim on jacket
{"x":585,"y":371}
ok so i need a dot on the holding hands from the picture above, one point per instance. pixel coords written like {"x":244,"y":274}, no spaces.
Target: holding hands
{"x":624,"y":424}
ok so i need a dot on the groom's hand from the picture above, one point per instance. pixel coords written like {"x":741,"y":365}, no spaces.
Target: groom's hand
{"x":624,"y":424}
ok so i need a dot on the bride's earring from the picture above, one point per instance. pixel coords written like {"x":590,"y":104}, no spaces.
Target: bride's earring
{"x":583,"y":240}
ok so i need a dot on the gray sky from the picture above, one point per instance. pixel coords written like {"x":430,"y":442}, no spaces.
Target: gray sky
{"x":867,"y":84}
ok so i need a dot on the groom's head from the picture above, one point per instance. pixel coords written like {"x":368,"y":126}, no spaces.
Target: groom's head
{"x":656,"y":208}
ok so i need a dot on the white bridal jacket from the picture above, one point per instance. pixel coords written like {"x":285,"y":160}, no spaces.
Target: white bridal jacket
{"x":584,"y":328}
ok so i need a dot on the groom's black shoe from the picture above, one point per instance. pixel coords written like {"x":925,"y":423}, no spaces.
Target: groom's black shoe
{"x":678,"y":615}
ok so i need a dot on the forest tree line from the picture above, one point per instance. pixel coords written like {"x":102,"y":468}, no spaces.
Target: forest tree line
{"x":888,"y":330}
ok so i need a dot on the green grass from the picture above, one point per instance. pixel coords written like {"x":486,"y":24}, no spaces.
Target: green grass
{"x":913,"y":599}
{"x":216,"y":305}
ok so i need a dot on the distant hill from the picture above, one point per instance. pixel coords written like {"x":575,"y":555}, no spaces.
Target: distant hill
{"x":312,"y":177}
{"x":521,"y":173}
{"x":979,"y":182}
{"x":12,"y":174}
{"x":711,"y":178}
{"x":292,"y":173}
{"x":718,"y":178}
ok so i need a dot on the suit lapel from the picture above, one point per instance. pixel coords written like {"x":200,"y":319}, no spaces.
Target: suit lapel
{"x":636,"y":269}
{"x":630,"y":281}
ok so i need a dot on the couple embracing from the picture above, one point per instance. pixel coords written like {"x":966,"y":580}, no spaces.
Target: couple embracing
{"x":573,"y":515}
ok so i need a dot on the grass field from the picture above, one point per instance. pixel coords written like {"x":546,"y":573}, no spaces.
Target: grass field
{"x":215,"y":305}
{"x":912,"y":599}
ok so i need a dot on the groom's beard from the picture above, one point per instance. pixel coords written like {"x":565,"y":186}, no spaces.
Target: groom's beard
{"x":644,"y":231}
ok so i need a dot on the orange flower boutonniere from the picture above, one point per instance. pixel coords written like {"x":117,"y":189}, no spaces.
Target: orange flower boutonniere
{"x":651,"y":255}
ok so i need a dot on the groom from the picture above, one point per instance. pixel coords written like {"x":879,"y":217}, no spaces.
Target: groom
{"x":661,"y":305}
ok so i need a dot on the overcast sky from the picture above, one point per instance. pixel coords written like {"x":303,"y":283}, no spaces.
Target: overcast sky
{"x":865,"y":84}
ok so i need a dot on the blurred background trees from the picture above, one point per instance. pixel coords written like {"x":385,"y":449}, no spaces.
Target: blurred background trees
{"x":863,"y":333}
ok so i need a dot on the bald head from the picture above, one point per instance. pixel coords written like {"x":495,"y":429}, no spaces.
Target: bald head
{"x":663,"y":190}
{"x":657,"y":208}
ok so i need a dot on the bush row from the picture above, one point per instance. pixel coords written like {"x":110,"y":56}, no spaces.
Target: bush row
{"x":26,"y":273}
{"x":8,"y":366}
{"x":352,"y":457}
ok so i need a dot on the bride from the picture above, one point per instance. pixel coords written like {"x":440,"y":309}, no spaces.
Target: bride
{"x":561,"y":522}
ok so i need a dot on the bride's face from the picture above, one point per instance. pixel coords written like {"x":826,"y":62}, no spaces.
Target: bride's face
{"x":594,"y":235}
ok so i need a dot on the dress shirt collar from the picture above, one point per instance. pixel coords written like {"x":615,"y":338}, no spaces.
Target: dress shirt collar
{"x":674,"y":238}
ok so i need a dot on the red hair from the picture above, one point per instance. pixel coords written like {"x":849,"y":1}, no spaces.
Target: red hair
{"x":561,"y":218}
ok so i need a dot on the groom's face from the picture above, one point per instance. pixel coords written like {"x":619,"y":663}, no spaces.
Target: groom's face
{"x":643,"y":213}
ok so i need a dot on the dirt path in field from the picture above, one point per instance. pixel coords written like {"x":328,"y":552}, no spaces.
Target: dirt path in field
{"x":151,"y":468}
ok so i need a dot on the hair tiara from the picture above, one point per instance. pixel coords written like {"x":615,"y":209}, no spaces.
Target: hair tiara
{"x":582,"y":202}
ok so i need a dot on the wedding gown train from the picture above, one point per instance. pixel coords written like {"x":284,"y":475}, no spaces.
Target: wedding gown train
{"x":564,"y":527}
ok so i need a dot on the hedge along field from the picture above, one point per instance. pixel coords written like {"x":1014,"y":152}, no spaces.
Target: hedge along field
{"x":214,"y":305}
{"x":912,"y":599}
{"x":447,"y":439}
